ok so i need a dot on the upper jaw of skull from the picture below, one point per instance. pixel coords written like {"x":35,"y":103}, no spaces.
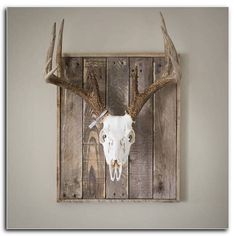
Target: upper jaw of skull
{"x":115,"y":170}
{"x":117,"y":136}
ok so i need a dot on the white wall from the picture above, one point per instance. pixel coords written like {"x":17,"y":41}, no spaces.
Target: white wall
{"x":200,"y":36}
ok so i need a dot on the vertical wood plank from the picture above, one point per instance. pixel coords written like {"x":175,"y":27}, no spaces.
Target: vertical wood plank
{"x":71,"y":134}
{"x":93,"y":156}
{"x":178,"y":141}
{"x":117,"y":101}
{"x":165,"y":137}
{"x":59,"y":144}
{"x":140,"y":169}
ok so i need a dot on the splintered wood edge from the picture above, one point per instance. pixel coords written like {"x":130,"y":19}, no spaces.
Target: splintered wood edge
{"x":59,"y":134}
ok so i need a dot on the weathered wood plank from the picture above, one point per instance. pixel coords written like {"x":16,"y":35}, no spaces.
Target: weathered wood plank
{"x":117,"y":101}
{"x":59,"y":145}
{"x":93,"y":156}
{"x":141,"y":154}
{"x":133,"y":54}
{"x":71,"y":134}
{"x":178,"y":141}
{"x":165,"y":136}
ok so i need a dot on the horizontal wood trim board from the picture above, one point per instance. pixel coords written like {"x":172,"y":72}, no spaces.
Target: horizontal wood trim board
{"x":152,"y":172}
{"x":113,"y":55}
{"x":117,"y":200}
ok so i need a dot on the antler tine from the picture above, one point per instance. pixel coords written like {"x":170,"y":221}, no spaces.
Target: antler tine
{"x":50,"y":49}
{"x":163,"y":21}
{"x":171,"y":74}
{"x":167,"y":59}
{"x":94,"y":95}
{"x":93,"y":98}
{"x":59,"y":50}
{"x":170,"y":51}
{"x":93,"y":79}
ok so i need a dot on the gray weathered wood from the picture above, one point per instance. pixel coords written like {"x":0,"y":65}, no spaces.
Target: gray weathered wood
{"x":165,"y":136}
{"x":93,"y":156}
{"x":82,"y":179}
{"x":121,"y":55}
{"x":59,"y":198}
{"x":178,"y":141}
{"x":141,"y":154}
{"x":71,"y":134}
{"x":117,"y":100}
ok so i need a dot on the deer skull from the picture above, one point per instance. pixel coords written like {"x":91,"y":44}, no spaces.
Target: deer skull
{"x":117,"y":136}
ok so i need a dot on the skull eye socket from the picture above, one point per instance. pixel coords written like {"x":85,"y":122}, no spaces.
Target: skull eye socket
{"x":131,"y":137}
{"x":102,"y":136}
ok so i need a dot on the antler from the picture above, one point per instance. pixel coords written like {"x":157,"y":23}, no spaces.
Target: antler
{"x":92,"y":97}
{"x":171,"y":74}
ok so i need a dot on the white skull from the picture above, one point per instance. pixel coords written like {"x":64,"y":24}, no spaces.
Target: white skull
{"x":117,"y":136}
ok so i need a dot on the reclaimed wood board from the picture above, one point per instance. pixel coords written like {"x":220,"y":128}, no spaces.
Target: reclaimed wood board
{"x":152,"y":172}
{"x":140,"y":165}
{"x":117,"y":100}
{"x":165,"y":138}
{"x":93,"y":157}
{"x":71,"y":134}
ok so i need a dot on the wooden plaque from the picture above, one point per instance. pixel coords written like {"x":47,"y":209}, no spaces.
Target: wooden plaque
{"x":152,"y":172}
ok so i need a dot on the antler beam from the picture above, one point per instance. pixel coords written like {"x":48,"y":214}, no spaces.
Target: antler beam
{"x":171,"y":74}
{"x":92,"y":97}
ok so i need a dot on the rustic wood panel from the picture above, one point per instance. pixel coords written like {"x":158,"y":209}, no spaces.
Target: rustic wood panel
{"x":117,"y":101}
{"x":153,"y":170}
{"x":141,"y":154}
{"x":71,"y":134}
{"x":165,"y":137}
{"x":93,"y":157}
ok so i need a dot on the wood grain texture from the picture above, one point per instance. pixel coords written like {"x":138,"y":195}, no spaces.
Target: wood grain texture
{"x":117,"y":101}
{"x":117,"y":54}
{"x":83,"y":175}
{"x":71,"y":134}
{"x":141,"y":154}
{"x":178,"y":154}
{"x":59,"y":145}
{"x":165,"y":137}
{"x":93,"y":156}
